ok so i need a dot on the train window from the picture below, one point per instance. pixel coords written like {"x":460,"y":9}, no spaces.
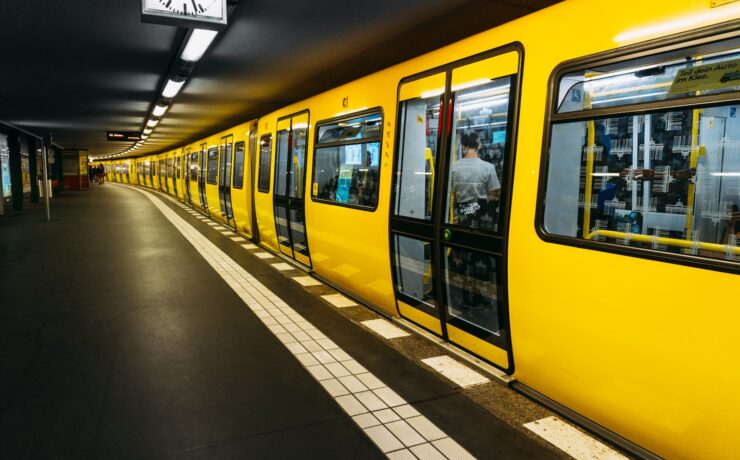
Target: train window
{"x":347,"y":161}
{"x":194,"y":166}
{"x":239,"y":166}
{"x":664,"y":178}
{"x":263,"y":184}
{"x":477,"y":161}
{"x":212,"y":165}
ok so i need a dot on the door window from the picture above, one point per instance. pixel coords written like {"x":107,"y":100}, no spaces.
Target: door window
{"x":212,"y":165}
{"x":263,"y":184}
{"x":239,"y":165}
{"x":420,"y":123}
{"x":476,"y":155}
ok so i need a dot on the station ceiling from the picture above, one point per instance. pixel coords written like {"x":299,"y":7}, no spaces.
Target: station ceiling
{"x":77,"y":68}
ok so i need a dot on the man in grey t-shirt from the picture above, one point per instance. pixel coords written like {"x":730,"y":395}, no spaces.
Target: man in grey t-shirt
{"x":473,"y":183}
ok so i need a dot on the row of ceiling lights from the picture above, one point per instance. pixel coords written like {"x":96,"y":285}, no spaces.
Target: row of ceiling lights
{"x":197,"y":43}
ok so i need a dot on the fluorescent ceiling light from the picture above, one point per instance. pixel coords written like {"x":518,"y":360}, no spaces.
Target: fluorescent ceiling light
{"x":147,"y":131}
{"x":172,"y":88}
{"x":159,"y":110}
{"x":197,"y":45}
{"x":152,"y":123}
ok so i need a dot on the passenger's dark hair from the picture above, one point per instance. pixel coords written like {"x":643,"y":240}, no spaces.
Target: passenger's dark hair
{"x":469,"y":140}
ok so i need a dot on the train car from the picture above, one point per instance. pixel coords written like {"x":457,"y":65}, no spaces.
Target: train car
{"x":558,"y":196}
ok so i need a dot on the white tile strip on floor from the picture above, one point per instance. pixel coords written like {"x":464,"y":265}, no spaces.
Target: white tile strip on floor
{"x":306,"y":281}
{"x":579,"y":445}
{"x":249,"y":246}
{"x":237,"y":238}
{"x":396,"y":428}
{"x":455,"y":371}
{"x":338,"y":300}
{"x":263,"y":255}
{"x":385,"y":329}
{"x":282,"y":267}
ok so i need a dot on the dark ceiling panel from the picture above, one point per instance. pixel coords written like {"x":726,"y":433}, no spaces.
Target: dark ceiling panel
{"x":80,"y":67}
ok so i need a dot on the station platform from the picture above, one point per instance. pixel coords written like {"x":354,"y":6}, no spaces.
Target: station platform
{"x":133,"y":327}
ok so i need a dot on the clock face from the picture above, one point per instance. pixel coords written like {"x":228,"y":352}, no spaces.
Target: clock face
{"x":185,"y":13}
{"x":191,"y":7}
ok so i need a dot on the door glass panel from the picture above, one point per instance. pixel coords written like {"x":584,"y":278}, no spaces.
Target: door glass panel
{"x":298,"y":152}
{"x":476,"y":156}
{"x":283,"y":163}
{"x":227,"y":165}
{"x":212,"y":165}
{"x":472,"y":288}
{"x":414,"y":269}
{"x":239,"y":165}
{"x":194,"y":166}
{"x":420,"y":124}
{"x":263,"y":184}
{"x":281,"y":222}
{"x":298,"y":231}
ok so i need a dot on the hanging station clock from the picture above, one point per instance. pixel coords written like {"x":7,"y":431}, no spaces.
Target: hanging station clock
{"x":201,"y":14}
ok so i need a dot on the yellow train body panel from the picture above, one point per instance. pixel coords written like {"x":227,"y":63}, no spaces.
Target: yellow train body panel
{"x":643,"y":348}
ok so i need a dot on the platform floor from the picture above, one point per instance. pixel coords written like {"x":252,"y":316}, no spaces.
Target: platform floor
{"x":120,"y":340}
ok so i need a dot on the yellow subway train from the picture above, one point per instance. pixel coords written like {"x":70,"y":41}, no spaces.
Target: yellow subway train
{"x":558,"y":196}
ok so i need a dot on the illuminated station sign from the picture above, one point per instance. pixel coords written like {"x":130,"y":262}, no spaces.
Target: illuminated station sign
{"x":124,"y":136}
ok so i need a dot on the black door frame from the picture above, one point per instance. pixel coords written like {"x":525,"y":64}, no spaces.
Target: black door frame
{"x":442,"y":235}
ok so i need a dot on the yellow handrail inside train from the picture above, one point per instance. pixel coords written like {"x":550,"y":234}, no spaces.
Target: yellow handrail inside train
{"x":665,"y":241}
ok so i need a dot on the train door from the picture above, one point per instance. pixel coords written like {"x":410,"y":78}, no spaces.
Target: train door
{"x":224,"y":179}
{"x":290,"y":181}
{"x":451,"y":195}
{"x":186,"y":174}
{"x":202,"y":177}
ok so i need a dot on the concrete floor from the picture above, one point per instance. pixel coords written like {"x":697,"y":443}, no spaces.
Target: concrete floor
{"x":120,"y":341}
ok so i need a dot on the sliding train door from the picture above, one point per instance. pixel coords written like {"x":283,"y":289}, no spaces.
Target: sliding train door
{"x":451,"y":194}
{"x":224,"y":178}
{"x":290,"y":184}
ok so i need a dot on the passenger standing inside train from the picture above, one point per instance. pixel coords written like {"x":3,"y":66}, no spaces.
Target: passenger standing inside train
{"x":474,"y":184}
{"x":476,"y":191}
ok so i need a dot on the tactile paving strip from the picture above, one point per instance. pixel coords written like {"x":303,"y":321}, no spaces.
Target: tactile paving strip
{"x":356,"y":390}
